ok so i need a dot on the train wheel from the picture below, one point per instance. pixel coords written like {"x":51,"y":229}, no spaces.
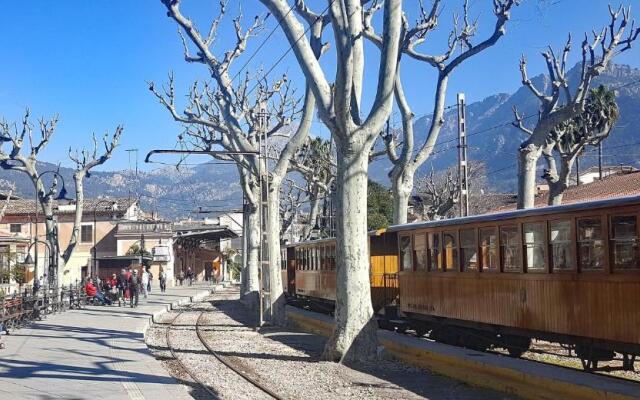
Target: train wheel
{"x":402,"y":328}
{"x":628,"y":361}
{"x":421,"y":331}
{"x":517,"y":345}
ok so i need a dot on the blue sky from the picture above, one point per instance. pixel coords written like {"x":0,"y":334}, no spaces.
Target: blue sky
{"x":89,"y":61}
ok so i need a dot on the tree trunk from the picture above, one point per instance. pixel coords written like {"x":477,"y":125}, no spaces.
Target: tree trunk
{"x":355,"y":333}
{"x":401,"y":188}
{"x":251,"y":273}
{"x":277,"y":300}
{"x":313,"y":213}
{"x":527,"y":166}
{"x":557,"y":188}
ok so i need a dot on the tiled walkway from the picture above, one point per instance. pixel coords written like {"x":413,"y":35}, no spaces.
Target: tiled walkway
{"x":93,"y":353}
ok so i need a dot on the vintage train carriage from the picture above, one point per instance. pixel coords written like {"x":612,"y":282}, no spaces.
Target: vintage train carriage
{"x":568,"y":273}
{"x":309,"y":270}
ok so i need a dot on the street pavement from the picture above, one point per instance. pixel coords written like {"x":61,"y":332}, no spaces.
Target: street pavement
{"x":94,"y":353}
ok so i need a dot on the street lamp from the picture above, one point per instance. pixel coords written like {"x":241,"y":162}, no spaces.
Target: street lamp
{"x":94,"y":267}
{"x":62,"y":195}
{"x":30,"y":261}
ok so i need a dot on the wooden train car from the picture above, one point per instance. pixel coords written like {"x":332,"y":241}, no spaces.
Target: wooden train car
{"x":309,"y":271}
{"x":568,"y":273}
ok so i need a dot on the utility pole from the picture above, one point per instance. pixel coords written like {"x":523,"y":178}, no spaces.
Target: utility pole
{"x":263,"y":178}
{"x":463,"y":172}
{"x":600,"y":160}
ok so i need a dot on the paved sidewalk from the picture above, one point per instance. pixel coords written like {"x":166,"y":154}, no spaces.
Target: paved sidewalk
{"x":94,"y":353}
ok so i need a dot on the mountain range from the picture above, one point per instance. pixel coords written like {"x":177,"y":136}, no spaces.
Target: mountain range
{"x":214,"y":187}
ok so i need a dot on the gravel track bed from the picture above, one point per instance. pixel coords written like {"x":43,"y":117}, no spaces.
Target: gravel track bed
{"x":289,"y":363}
{"x":196,"y":358}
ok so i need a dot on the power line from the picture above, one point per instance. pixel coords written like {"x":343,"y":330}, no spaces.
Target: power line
{"x":257,"y":50}
{"x":289,"y":49}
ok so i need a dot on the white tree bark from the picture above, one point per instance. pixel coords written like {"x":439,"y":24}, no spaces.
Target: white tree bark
{"x":354,"y":336}
{"x":410,"y":160}
{"x":553,"y":111}
{"x":27,"y":164}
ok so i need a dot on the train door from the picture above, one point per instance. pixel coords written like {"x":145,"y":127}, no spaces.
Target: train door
{"x":291,"y":270}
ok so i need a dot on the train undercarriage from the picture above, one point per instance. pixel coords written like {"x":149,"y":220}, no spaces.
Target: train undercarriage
{"x":487,"y":337}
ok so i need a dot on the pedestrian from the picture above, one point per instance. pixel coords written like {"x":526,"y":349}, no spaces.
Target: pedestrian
{"x":134,"y":285}
{"x":37,"y":285}
{"x":163,"y":281}
{"x":149,"y":282}
{"x":2,"y":329}
{"x":122,"y":286}
{"x":145,"y":282}
{"x":181,"y":276}
{"x":190,"y":276}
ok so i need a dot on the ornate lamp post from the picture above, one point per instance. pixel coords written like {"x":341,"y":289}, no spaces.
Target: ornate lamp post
{"x":62,"y":195}
{"x":30,"y":260}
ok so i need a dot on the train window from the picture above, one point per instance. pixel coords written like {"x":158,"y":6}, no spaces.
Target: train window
{"x":489,"y":249}
{"x":332,"y":249}
{"x":510,"y":249}
{"x":420,"y":256}
{"x":314,"y":255}
{"x":624,"y":237}
{"x":405,"y":253}
{"x":591,"y":244}
{"x":469,"y":250}
{"x":450,"y":251}
{"x":534,"y":243}
{"x":560,"y":245}
{"x":434,"y":251}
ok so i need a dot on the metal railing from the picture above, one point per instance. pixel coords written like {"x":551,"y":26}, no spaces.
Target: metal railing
{"x":21,"y":308}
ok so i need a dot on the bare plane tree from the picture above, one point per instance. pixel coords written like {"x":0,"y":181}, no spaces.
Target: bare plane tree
{"x":315,"y":160}
{"x":439,"y":192}
{"x":235,"y":117}
{"x":568,"y":139}
{"x":17,"y":160}
{"x":560,"y":104}
{"x":3,"y":210}
{"x":354,"y":133}
{"x":407,"y":156}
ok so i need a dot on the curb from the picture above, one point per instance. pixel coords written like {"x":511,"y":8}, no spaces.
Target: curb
{"x":523,"y":378}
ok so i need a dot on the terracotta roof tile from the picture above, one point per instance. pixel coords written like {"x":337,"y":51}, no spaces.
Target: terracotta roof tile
{"x":21,"y":207}
{"x":610,"y":187}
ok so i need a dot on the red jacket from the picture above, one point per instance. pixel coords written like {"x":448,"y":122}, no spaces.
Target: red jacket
{"x":90,"y":289}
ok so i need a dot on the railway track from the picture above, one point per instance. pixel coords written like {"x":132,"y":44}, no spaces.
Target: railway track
{"x":223,"y":360}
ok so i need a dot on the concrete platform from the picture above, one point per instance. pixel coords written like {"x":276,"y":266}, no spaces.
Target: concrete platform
{"x":94,"y":353}
{"x":523,"y":378}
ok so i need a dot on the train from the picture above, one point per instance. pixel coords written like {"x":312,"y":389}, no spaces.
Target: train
{"x":568,"y":274}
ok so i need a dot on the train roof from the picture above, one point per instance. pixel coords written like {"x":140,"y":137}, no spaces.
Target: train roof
{"x":377,"y":232}
{"x":588,"y":205}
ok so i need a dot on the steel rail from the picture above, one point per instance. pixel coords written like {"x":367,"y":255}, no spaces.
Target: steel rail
{"x":210,"y":391}
{"x":230,"y":365}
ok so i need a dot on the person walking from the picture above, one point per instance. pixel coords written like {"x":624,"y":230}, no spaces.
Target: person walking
{"x":190,"y":276}
{"x":121,"y":284}
{"x":134,"y":284}
{"x":149,"y":282}
{"x":145,"y":282}
{"x":181,"y":277}
{"x":163,"y":281}
{"x":37,"y":284}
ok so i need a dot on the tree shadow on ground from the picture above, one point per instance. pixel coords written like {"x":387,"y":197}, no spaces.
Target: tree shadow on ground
{"x":391,"y":373}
